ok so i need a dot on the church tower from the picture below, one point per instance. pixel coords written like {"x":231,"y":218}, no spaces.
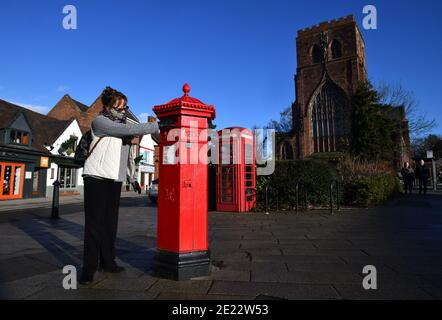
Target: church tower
{"x":330,"y":65}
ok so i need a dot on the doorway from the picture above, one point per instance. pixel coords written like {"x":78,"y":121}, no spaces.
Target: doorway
{"x":11,"y":180}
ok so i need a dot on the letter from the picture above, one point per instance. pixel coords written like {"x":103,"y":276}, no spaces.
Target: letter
{"x":203,"y":311}
{"x":194,"y":138}
{"x":370,"y":281}
{"x":70,"y":21}
{"x":265,"y":148}
{"x":175,"y":310}
{"x":370,"y":21}
{"x":209,"y":151}
{"x":70,"y":281}
{"x":194,"y":310}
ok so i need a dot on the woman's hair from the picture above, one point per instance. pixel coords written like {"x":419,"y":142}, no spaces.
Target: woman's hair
{"x":109,"y":96}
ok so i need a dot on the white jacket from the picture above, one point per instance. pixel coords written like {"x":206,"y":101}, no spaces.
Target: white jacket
{"x":105,"y":160}
{"x":109,"y":158}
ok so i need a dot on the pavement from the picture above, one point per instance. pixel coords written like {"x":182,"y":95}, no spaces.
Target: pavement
{"x":21,"y":204}
{"x":312,"y":255}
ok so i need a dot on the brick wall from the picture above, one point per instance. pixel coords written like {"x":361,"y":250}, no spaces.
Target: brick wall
{"x":67,"y":109}
{"x":345,"y":72}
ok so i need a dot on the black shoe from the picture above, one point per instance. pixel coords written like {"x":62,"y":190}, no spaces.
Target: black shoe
{"x":86,"y":280}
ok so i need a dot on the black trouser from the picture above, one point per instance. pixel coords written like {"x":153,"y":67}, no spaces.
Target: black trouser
{"x":423,"y":185}
{"x":408,"y":184}
{"x":101,"y":204}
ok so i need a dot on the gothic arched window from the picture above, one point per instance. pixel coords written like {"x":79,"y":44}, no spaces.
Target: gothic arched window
{"x":317,"y":54}
{"x":329,"y":121}
{"x":286,"y":151}
{"x":336,"y":49}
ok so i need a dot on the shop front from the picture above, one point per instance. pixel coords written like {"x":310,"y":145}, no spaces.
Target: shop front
{"x":67,"y":173}
{"x":22,"y":176}
{"x":11,"y":180}
{"x":146,"y":175}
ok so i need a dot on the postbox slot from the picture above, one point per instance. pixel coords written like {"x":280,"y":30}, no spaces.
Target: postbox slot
{"x":187,"y":184}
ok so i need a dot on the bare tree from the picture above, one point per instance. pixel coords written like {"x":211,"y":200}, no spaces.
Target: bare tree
{"x":396,"y":95}
{"x":284,"y":125}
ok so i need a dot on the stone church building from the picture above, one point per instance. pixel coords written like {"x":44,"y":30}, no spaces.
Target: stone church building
{"x":330,"y":65}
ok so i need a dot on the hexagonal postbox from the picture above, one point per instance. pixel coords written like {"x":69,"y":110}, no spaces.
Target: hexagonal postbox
{"x":182,"y":243}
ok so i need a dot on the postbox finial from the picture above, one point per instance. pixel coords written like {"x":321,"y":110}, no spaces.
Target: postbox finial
{"x":186,"y":89}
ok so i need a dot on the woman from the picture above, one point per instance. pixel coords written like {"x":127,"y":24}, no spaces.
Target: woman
{"x":408,"y":177}
{"x":104,"y":171}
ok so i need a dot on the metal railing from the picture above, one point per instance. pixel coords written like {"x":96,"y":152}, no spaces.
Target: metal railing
{"x":301,"y":202}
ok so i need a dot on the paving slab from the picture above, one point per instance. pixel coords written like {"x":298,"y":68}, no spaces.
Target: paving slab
{"x":254,"y":256}
{"x":281,"y":290}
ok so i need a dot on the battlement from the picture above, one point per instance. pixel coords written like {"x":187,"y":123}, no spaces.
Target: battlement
{"x":323,"y":26}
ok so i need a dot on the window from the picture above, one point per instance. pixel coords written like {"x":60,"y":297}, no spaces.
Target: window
{"x":336,"y":49}
{"x":147,"y":159}
{"x":317,"y":54}
{"x":35,"y":181}
{"x":329,"y":122}
{"x":11,"y":182}
{"x":18,"y":137}
{"x":286,"y":151}
{"x":75,"y":141}
{"x":68,"y":178}
{"x":248,"y":153}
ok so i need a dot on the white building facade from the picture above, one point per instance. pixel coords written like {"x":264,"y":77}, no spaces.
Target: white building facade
{"x":146,"y":168}
{"x":70,"y":177}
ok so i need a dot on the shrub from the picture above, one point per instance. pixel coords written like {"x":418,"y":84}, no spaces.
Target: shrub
{"x":361,"y":183}
{"x":315,"y":175}
{"x":368,"y":191}
{"x":367,"y":183}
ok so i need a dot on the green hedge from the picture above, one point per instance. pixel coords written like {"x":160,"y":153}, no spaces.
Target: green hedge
{"x":370,"y":191}
{"x":315,"y":174}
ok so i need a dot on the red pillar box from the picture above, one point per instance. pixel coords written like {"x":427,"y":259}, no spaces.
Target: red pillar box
{"x":236,"y":171}
{"x":182,"y":243}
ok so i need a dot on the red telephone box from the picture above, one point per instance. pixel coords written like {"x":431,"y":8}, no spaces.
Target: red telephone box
{"x":182,"y":243}
{"x":236,"y":171}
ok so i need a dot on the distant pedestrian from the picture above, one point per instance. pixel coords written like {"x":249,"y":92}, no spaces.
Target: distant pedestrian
{"x":423,"y":174}
{"x":407,"y":173}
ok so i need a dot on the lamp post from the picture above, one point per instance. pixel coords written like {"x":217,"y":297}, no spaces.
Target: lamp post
{"x":433,"y":168}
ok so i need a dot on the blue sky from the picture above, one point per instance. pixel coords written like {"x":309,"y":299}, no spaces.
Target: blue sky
{"x":236,"y":54}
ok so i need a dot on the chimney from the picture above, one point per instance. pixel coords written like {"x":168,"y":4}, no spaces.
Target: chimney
{"x":151,"y":119}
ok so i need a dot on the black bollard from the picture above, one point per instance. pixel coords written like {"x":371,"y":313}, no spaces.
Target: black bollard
{"x":297,"y":196}
{"x":331,"y":197}
{"x":338,"y":199}
{"x":267,"y":199}
{"x":277,"y":201}
{"x":56,"y":200}
{"x":305,"y":196}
